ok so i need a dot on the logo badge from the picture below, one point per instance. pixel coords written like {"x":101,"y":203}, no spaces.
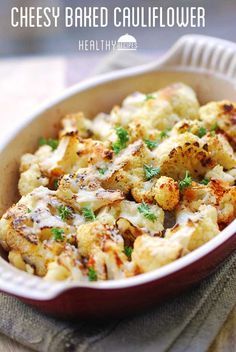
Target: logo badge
{"x":127,"y":42}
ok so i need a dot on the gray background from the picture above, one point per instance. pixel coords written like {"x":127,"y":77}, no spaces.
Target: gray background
{"x":220,"y":22}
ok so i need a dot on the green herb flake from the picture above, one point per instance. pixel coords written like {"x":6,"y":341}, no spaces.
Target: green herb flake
{"x":58,"y":234}
{"x":150,"y":171}
{"x":164,"y":133}
{"x":201,"y":132}
{"x":123,"y":138}
{"x":149,"y":97}
{"x":214,"y":127}
{"x":145,"y":209}
{"x":53,"y":143}
{"x":186,"y":182}
{"x":56,"y":184}
{"x":102,"y":171}
{"x":205,"y":181}
{"x":128,"y":251}
{"x":29,"y":210}
{"x":88,"y":214}
{"x":151,"y":144}
{"x":92,"y":275}
{"x":64,"y":212}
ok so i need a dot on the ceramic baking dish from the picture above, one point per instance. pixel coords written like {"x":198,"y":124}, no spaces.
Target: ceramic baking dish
{"x":209,"y":66}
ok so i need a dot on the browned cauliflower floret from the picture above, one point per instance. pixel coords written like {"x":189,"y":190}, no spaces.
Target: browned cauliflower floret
{"x":31,"y":176}
{"x":218,"y":194}
{"x":192,"y":230}
{"x":183,"y":152}
{"x":83,"y":189}
{"x":221,"y":115}
{"x":67,"y":266}
{"x":71,"y":154}
{"x":104,"y":247}
{"x":166,"y":193}
{"x":151,"y":253}
{"x":31,"y":179}
{"x":91,"y":152}
{"x":76,"y":123}
{"x":217,"y":173}
{"x":64,"y":158}
{"x":142,"y":191}
{"x":163,"y":108}
{"x":221,"y":151}
{"x":28,"y":226}
{"x":127,"y":168}
{"x":142,"y":129}
{"x":139,"y":218}
{"x":182,"y":99}
{"x":196,"y":127}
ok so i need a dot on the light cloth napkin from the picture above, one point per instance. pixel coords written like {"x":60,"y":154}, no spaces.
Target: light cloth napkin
{"x":189,"y":322}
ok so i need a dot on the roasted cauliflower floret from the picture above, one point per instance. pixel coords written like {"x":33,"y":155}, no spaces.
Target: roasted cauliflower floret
{"x":182,"y":99}
{"x":91,"y":152}
{"x":36,"y":228}
{"x":80,"y":190}
{"x":183,"y":152}
{"x":163,"y":108}
{"x":166,"y":193}
{"x":196,"y":127}
{"x":193,"y":230}
{"x":64,"y":158}
{"x":127,"y":168}
{"x":67,"y":266}
{"x":141,"y":218}
{"x":76,"y":123}
{"x":103,"y":245}
{"x":151,"y":253}
{"x":217,"y":173}
{"x":94,"y":234}
{"x":31,"y":176}
{"x":31,"y":179}
{"x":221,"y":115}
{"x":221,"y":151}
{"x":218,"y":194}
{"x":142,"y":191}
{"x":142,"y":129}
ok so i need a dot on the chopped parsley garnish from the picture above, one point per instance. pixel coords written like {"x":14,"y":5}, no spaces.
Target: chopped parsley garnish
{"x":88,"y":214}
{"x":186,"y":182}
{"x":128,"y":251}
{"x":151,"y":144}
{"x":150,"y":171}
{"x":29,"y":210}
{"x":102,"y":171}
{"x":205,"y":181}
{"x":123,"y":138}
{"x":92,"y":275}
{"x":201,"y":132}
{"x":58,"y":234}
{"x":164,"y":133}
{"x":64,"y":212}
{"x":145,"y":209}
{"x":214,"y":127}
{"x":149,"y":97}
{"x":53,"y":143}
{"x":56,"y":184}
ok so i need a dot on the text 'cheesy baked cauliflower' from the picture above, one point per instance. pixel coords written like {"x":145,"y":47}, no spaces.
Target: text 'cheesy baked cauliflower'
{"x":127,"y":193}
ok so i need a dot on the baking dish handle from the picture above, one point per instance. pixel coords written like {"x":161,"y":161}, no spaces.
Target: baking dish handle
{"x":203,"y":53}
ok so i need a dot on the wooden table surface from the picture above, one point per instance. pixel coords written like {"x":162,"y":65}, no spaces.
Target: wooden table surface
{"x":24,"y":84}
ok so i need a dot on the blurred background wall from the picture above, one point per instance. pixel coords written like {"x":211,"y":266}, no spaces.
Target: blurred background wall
{"x":220,"y":22}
